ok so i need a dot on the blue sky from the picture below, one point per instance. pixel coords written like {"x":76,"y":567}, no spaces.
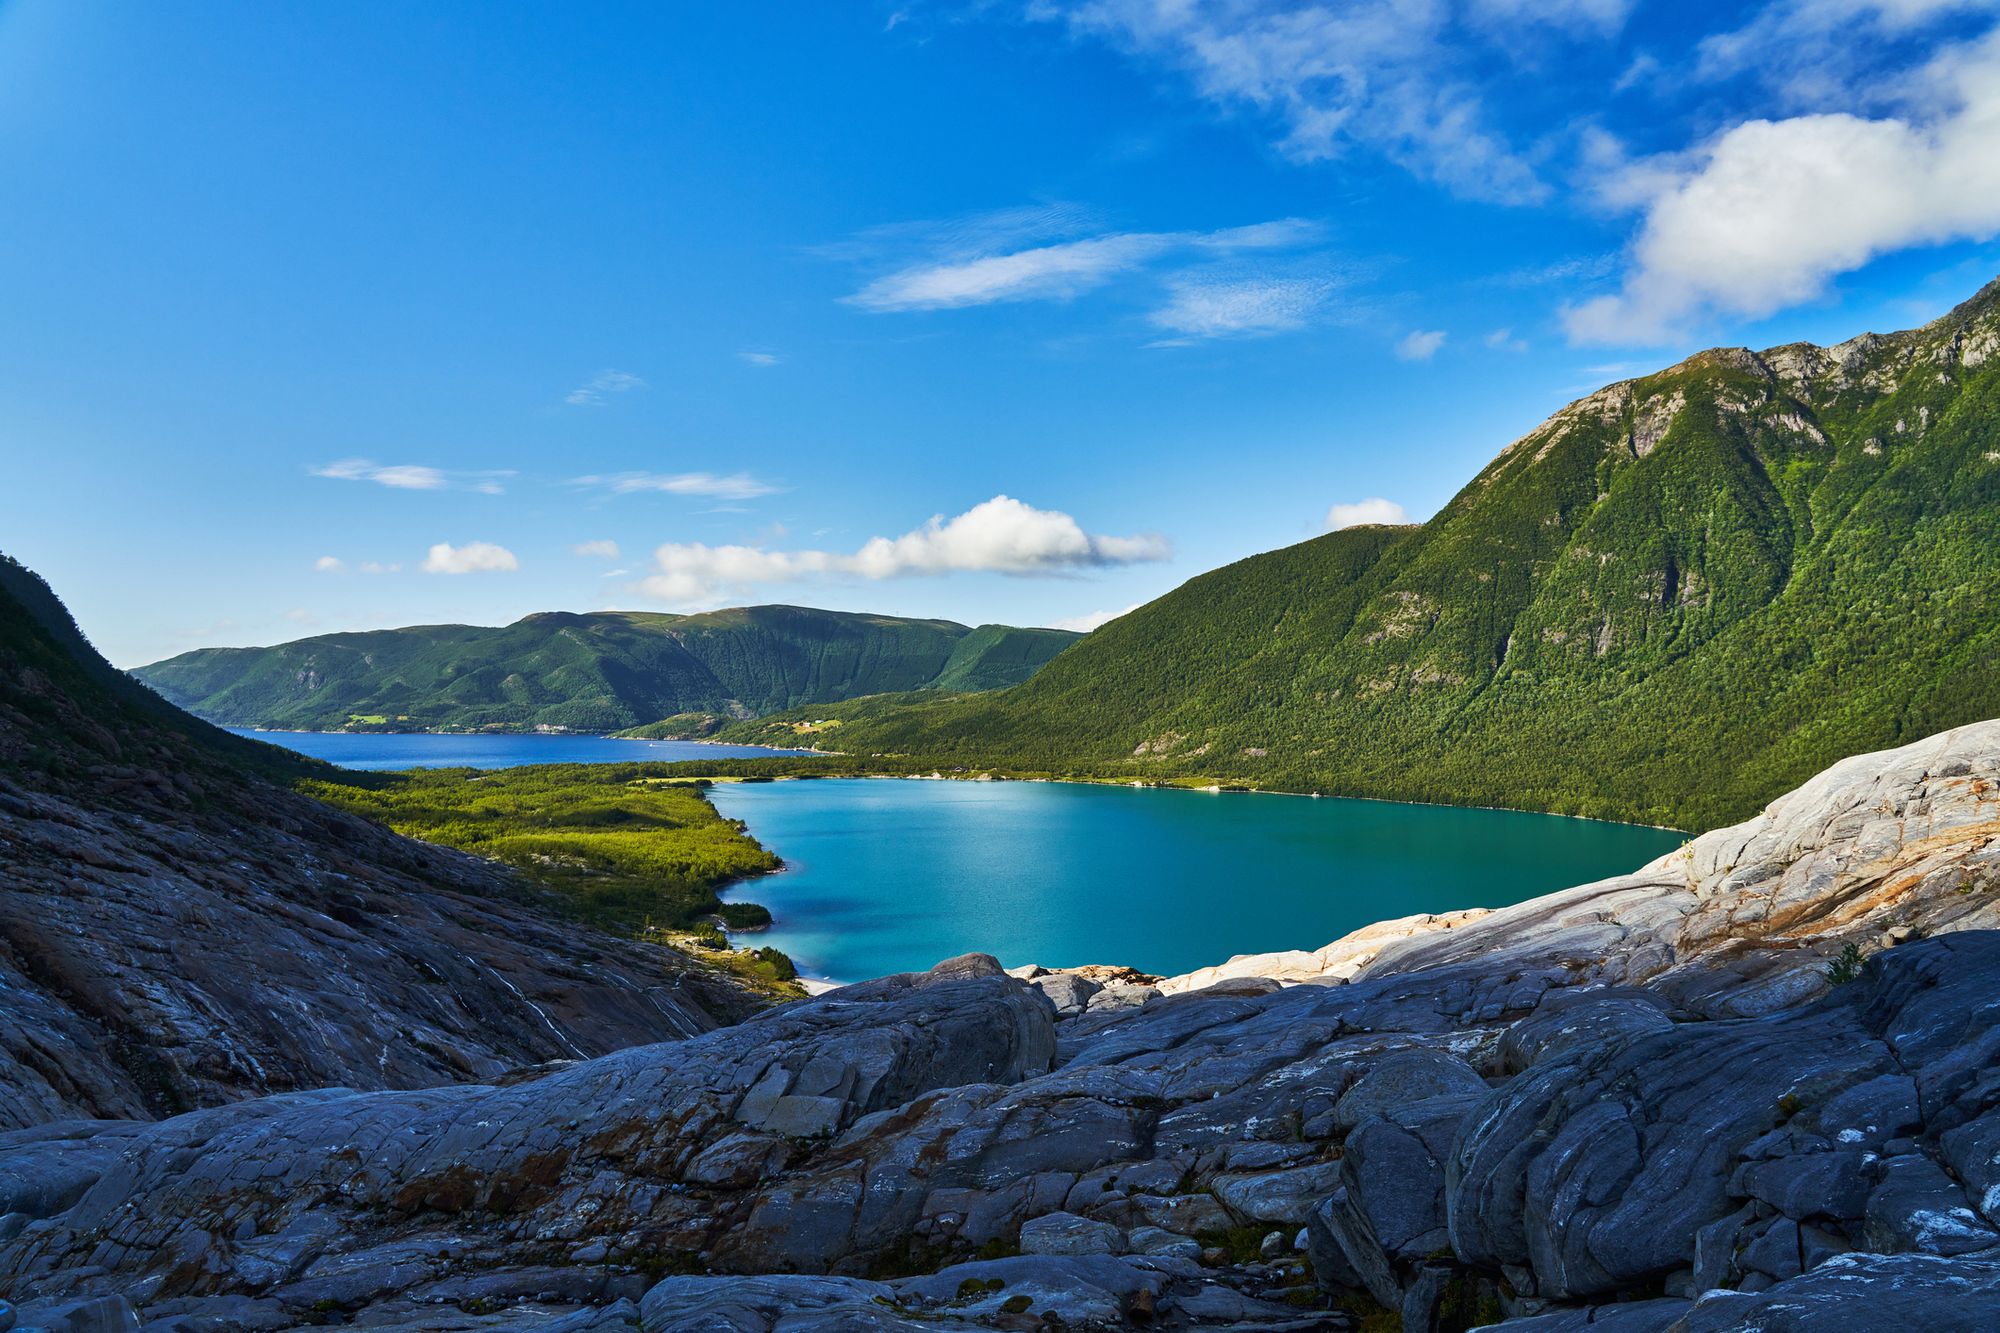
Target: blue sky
{"x":322,"y":316}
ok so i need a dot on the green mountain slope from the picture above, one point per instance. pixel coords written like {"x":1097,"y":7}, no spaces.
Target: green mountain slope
{"x":597,"y":672}
{"x":1671,"y":601}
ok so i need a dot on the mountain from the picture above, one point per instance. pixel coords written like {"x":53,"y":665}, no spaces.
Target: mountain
{"x":1668,"y":602}
{"x":602,"y":671}
{"x":179,"y":928}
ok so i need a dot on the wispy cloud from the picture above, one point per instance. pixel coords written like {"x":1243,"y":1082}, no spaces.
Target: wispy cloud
{"x":1503,"y":340}
{"x":1420,"y":344}
{"x":333,"y":564}
{"x":1361,"y":513}
{"x":592,"y":392}
{"x":414,"y":477}
{"x":1049,"y":272}
{"x":734,"y":486}
{"x":1091,"y":620}
{"x":1003,"y":535}
{"x":1221,"y":307}
{"x":983,"y":261}
{"x":1814,"y":52}
{"x":1558,"y":272}
{"x":600,"y":550}
{"x":759,"y":358}
{"x":1397,"y":77}
{"x":471,"y":558}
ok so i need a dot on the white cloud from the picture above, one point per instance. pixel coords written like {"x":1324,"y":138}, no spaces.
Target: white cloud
{"x":759,"y":358}
{"x":377,"y":567}
{"x":1503,"y":340}
{"x":1420,"y":344}
{"x":1091,"y":620}
{"x":1394,"y":75}
{"x":591,"y":393}
{"x":1003,"y":535}
{"x":1766,"y":213}
{"x":602,"y":550}
{"x":1050,"y":272}
{"x":976,"y":264}
{"x":1218,"y":307}
{"x":407,"y":477}
{"x":329,"y":564}
{"x":471,"y":558}
{"x":735,"y":486}
{"x":413,"y":477}
{"x":1361,"y":513}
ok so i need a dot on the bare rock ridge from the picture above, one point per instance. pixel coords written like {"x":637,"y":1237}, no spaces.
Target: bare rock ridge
{"x":177,"y":930}
{"x":1656,"y":1102}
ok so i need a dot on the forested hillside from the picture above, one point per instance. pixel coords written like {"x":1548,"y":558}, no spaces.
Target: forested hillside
{"x":1671,"y":601}
{"x":597,"y":672}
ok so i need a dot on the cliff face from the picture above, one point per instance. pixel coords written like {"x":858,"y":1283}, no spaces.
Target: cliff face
{"x":177,"y":930}
{"x":1642,"y":1103}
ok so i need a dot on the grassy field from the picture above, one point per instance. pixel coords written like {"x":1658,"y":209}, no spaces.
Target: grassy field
{"x":632,"y":848}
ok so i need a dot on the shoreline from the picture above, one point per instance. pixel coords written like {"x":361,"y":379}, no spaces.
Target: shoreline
{"x":938,"y":775}
{"x":1212,"y":789}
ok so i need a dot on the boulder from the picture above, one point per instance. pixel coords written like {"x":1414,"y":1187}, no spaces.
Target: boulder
{"x":1066,"y":1233}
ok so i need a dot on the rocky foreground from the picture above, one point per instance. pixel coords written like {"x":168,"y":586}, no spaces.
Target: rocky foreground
{"x":1639,"y":1104}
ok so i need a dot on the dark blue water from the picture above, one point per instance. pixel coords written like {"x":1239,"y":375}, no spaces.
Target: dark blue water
{"x":887,"y":876}
{"x":428,"y":751}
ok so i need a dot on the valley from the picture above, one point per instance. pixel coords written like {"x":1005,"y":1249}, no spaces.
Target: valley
{"x":1064,"y":666}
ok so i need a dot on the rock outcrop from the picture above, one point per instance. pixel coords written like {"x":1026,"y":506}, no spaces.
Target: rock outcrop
{"x":177,"y":930}
{"x":1671,"y":1100}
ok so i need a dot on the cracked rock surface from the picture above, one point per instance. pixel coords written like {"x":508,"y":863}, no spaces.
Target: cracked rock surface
{"x":1639,"y":1104}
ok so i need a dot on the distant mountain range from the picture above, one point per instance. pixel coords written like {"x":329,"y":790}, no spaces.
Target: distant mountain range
{"x":1671,"y":601}
{"x":603,"y":671}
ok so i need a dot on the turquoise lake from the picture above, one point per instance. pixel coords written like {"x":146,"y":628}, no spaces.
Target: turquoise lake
{"x":891,"y":875}
{"x":887,"y":875}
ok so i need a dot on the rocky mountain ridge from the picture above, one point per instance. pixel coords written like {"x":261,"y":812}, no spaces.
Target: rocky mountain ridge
{"x":1670,"y":1100}
{"x":178,"y":930}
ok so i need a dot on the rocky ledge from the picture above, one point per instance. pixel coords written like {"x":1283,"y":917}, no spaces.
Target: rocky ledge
{"x":1673,"y":1100}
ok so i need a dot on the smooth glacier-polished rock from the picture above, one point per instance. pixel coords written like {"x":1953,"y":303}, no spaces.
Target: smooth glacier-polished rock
{"x":1639,"y":1086}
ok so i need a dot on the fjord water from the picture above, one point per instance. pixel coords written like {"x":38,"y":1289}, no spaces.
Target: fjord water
{"x":887,"y":876}
{"x":365,"y":750}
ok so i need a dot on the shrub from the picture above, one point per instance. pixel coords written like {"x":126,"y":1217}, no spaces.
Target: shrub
{"x":1847,"y":965}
